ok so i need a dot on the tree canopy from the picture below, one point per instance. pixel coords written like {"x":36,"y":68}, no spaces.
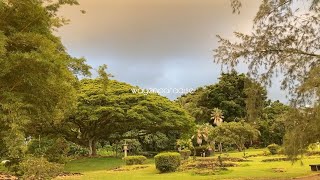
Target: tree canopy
{"x":233,"y":94}
{"x":284,"y":40}
{"x":37,"y":75}
{"x":112,"y":111}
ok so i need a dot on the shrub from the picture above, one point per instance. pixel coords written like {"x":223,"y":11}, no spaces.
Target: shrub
{"x":40,"y":168}
{"x":148,"y":153}
{"x":200,"y":149}
{"x":185,"y":153}
{"x":133,"y":160}
{"x":274,"y":148}
{"x":167,"y":162}
{"x":53,"y":149}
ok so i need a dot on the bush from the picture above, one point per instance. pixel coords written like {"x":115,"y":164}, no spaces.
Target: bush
{"x":274,"y":148}
{"x":40,"y":168}
{"x":185,"y":153}
{"x":53,"y":149}
{"x":148,"y":153}
{"x":133,"y":160}
{"x":167,"y":162}
{"x":76,"y":150}
{"x":200,"y":149}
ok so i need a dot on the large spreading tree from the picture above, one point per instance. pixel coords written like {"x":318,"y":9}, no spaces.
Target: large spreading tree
{"x":285,"y":40}
{"x":109,"y":110}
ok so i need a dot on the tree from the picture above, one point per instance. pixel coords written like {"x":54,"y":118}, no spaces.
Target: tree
{"x":109,"y":111}
{"x":273,"y":123}
{"x":202,"y":133}
{"x":233,"y":94}
{"x":236,"y":133}
{"x":190,"y":102}
{"x":217,"y":116}
{"x":37,"y":76}
{"x":284,"y":39}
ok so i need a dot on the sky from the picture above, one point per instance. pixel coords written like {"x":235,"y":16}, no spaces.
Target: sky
{"x":157,"y":43}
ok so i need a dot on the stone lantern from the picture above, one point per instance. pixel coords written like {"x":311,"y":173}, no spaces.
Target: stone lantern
{"x":125,"y":149}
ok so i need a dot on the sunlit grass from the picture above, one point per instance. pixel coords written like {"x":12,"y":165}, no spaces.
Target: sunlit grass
{"x":99,"y":168}
{"x":93,"y":164}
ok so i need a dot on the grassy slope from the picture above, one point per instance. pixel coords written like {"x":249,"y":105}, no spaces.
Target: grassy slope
{"x":255,"y":169}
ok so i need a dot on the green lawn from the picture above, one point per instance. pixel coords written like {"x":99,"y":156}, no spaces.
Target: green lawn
{"x":99,"y":168}
{"x":93,"y":164}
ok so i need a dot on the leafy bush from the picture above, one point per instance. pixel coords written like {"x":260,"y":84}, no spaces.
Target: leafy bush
{"x":13,"y":166}
{"x":133,"y":160}
{"x":274,"y":148}
{"x":185,"y":153}
{"x":148,"y":153}
{"x":185,"y":143}
{"x":76,"y":150}
{"x":202,"y":149}
{"x":39,"y":168}
{"x":167,"y":162}
{"x":54,"y":149}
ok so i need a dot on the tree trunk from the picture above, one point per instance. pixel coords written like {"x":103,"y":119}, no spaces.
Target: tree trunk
{"x":220,"y":147}
{"x":92,"y":147}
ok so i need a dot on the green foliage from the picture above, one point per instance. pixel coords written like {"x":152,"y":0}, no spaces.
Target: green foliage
{"x":134,"y":146}
{"x":37,"y":77}
{"x":54,"y":150}
{"x":273,"y":148}
{"x":185,"y":153}
{"x":149,"y":154}
{"x":109,"y":111}
{"x":39,"y":168}
{"x":236,"y":133}
{"x":76,"y":150}
{"x":134,"y":160}
{"x":233,"y":94}
{"x":185,"y":143}
{"x":167,"y":162}
{"x":202,"y":149}
{"x":272,"y":125}
{"x":156,"y":141}
{"x":282,"y":39}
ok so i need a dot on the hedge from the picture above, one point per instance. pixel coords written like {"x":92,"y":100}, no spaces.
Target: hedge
{"x":133,"y":160}
{"x":185,"y":153}
{"x":167,"y":162}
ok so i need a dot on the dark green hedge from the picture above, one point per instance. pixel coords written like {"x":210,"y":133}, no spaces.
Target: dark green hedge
{"x":133,"y":160}
{"x":167,"y":162}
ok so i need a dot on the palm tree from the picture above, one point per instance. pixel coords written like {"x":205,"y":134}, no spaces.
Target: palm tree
{"x":217,"y":116}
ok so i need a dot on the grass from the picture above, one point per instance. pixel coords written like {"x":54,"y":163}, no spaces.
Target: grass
{"x":93,"y":164}
{"x":99,"y":168}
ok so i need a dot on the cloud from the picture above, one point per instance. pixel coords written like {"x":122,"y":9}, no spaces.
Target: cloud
{"x":154,"y":43}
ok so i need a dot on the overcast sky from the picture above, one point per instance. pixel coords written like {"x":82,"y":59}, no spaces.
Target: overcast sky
{"x":156,"y":43}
